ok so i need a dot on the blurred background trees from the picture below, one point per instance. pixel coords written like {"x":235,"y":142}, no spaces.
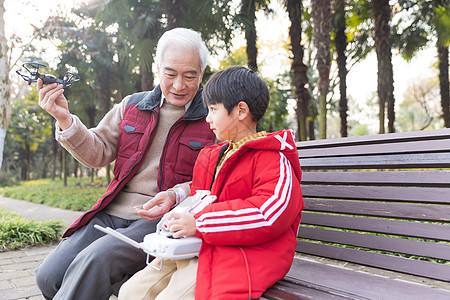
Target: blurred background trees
{"x":5,"y":106}
{"x":111,"y":45}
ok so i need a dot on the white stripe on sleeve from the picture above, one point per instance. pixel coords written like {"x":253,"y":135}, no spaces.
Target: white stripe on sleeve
{"x":266,"y":215}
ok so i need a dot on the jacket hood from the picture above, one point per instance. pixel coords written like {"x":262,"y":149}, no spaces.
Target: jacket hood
{"x":284,"y":141}
{"x":150,"y":99}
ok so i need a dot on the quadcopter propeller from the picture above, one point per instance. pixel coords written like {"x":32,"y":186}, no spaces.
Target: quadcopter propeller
{"x":33,"y":70}
{"x":70,"y":78}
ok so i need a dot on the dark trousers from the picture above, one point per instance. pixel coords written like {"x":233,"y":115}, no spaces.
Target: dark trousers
{"x":91,"y":265}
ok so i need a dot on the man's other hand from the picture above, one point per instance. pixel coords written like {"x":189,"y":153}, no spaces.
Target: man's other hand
{"x":158,"y":206}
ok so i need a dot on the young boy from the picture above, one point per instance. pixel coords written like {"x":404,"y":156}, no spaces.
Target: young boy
{"x":249,"y":233}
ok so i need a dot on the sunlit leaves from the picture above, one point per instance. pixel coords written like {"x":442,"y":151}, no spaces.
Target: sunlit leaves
{"x":29,"y":124}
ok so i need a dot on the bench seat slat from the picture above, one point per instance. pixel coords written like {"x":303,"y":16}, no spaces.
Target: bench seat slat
{"x":292,"y":291}
{"x":438,"y":213}
{"x":379,"y":148}
{"x":384,"y":193}
{"x":404,"y":178}
{"x":359,"y":284}
{"x":394,"y":227}
{"x":384,"y":261}
{"x":423,"y":160}
{"x":399,"y":245}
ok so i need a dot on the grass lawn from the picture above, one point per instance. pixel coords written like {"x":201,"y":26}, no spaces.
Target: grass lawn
{"x":17,"y":231}
{"x":78,"y":195}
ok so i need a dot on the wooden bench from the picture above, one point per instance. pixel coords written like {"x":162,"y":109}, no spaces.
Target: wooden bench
{"x":377,"y":219}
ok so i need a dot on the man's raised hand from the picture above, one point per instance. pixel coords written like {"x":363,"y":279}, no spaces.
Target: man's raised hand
{"x":52,"y":100}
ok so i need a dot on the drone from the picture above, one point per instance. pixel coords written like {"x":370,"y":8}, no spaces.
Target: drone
{"x":33,"y":70}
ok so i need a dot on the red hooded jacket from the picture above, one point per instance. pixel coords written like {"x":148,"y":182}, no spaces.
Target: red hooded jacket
{"x":249,"y":233}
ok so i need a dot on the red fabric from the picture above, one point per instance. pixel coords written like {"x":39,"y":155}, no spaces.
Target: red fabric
{"x":183,"y":144}
{"x":258,"y":210}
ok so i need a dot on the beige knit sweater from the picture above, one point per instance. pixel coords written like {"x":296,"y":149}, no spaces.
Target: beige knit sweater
{"x":96,"y":147}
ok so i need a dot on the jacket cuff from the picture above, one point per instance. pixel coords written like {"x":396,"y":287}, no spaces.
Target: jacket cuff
{"x":69,"y":131}
{"x":182,"y":191}
{"x":72,"y":137}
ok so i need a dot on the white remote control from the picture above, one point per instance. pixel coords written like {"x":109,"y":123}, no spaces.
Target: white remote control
{"x":161,"y":244}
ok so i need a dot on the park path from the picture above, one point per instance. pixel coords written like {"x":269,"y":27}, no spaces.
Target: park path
{"x":17,"y":276}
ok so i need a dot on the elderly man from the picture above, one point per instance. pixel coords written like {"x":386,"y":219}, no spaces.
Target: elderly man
{"x":154,"y":138}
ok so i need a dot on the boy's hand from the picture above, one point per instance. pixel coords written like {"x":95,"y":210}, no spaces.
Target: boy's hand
{"x":158,"y":206}
{"x":182,"y":224}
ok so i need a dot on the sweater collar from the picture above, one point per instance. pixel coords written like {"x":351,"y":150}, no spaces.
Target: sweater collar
{"x":195,"y":109}
{"x":164,"y":101}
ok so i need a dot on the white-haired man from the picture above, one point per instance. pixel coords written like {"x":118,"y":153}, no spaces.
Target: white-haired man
{"x":154,"y":138}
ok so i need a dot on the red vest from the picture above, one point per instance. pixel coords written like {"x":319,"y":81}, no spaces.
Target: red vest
{"x":187,"y":136}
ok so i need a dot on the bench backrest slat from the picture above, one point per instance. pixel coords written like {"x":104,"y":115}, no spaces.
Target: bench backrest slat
{"x":395,"y":194}
{"x":396,"y":245}
{"x":436,"y":213}
{"x":420,"y":160}
{"x":433,"y":135}
{"x":387,"y":148}
{"x":436,"y":232}
{"x":390,"y":178}
{"x":372,"y":199}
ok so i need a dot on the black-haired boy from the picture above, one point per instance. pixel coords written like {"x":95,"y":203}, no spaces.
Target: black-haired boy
{"x":249,"y":232}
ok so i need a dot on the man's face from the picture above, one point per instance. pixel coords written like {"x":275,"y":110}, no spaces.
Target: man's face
{"x":179,"y":74}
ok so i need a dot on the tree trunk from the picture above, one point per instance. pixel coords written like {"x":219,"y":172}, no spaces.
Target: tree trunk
{"x":382,"y":14}
{"x":298,"y":68}
{"x":27,"y":161}
{"x":340,"y":41}
{"x":76,"y":167}
{"x":64,"y":166}
{"x":311,"y":132}
{"x":104,"y":81}
{"x":54,"y":152}
{"x":146,"y":79}
{"x":321,"y":14}
{"x":444,"y":84}
{"x":248,"y":9}
{"x":174,"y":11}
{"x":90,"y":112}
{"x":5,"y":107}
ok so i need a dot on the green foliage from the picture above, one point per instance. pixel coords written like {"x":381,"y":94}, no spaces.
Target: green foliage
{"x":276,"y":114}
{"x":28,"y":122}
{"x":237,"y":57}
{"x":419,"y":24}
{"x":17,"y":231}
{"x":79,"y":195}
{"x":93,"y":53}
{"x":359,"y":31}
{"x":110,"y":43}
{"x":442,"y":25}
{"x":27,"y":135}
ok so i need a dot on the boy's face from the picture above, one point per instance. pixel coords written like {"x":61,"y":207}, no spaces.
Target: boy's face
{"x":225,"y":126}
{"x":180,"y":75}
